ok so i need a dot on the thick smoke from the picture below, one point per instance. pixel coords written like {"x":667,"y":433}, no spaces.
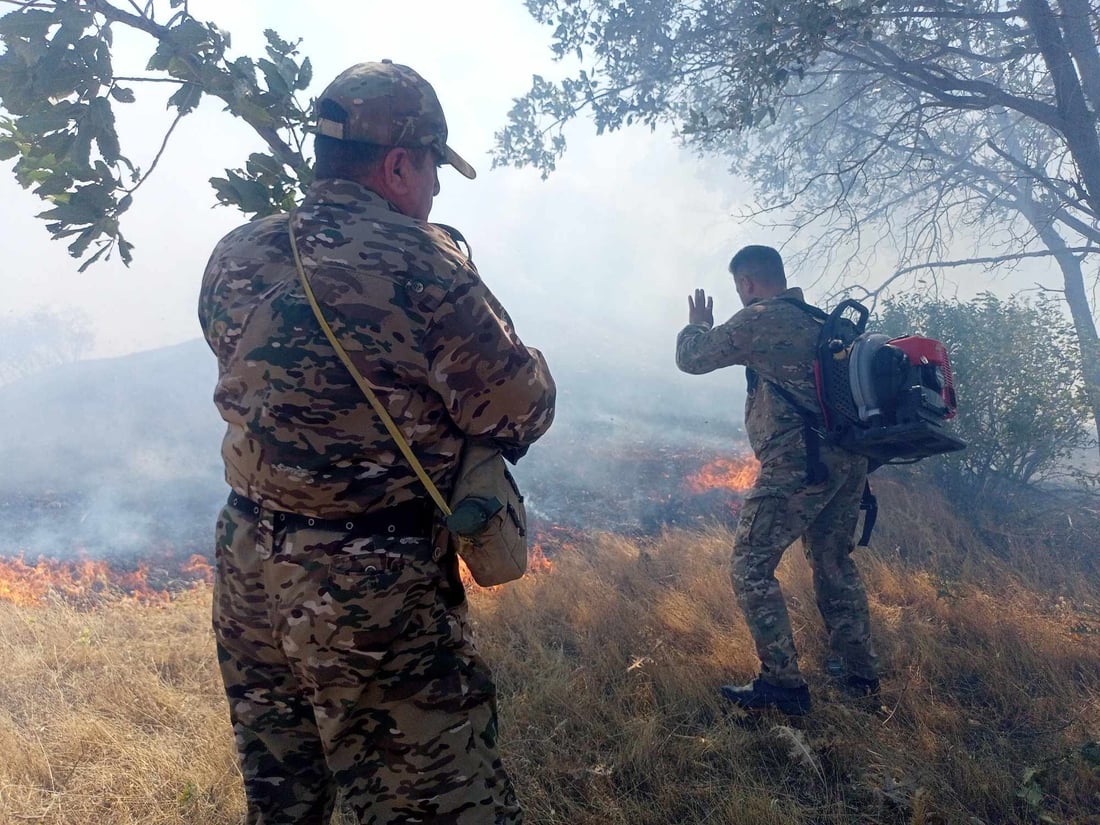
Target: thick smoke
{"x":119,"y":458}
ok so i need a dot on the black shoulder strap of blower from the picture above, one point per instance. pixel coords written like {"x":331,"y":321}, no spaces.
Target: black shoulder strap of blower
{"x":816,"y":471}
{"x":812,"y":422}
{"x":869,"y":505}
{"x":813,"y":434}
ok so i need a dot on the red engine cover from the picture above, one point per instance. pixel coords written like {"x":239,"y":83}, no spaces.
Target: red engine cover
{"x":930,"y":351}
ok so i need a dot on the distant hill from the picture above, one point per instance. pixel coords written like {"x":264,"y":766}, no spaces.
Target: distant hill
{"x":115,"y":455}
{"x":146,"y":417}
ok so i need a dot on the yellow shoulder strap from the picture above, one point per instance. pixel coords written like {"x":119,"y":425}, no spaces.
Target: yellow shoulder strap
{"x":394,"y":432}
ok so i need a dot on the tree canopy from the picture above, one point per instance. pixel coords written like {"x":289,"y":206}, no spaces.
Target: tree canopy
{"x":41,"y":339}
{"x":59,"y":90}
{"x":895,"y":135}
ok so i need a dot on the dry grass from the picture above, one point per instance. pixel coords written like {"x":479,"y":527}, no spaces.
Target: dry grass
{"x":610,"y":666}
{"x":113,"y":716}
{"x":607,"y":666}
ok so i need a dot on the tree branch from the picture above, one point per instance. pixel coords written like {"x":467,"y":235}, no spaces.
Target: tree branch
{"x":1077,"y":123}
{"x":993,"y":259}
{"x":175,"y":80}
{"x":943,"y":84}
{"x":279,"y":147}
{"x":159,"y":154}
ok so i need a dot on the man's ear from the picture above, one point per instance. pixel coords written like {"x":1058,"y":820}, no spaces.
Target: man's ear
{"x":395,"y":167}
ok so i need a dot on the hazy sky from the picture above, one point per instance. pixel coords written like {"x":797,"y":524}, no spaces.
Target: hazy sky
{"x":616,"y":238}
{"x":598,"y":259}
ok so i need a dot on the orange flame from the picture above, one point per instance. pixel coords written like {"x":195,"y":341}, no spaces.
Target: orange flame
{"x":198,"y":568}
{"x":555,"y":537}
{"x":736,"y":474}
{"x":85,"y":582}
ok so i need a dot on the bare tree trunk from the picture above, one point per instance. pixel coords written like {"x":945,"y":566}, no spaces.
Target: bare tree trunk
{"x":1070,"y":52}
{"x":1083,"y":323}
{"x":1077,"y":122}
{"x":1077,"y":28}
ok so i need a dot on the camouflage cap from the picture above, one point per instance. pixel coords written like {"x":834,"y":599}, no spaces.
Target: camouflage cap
{"x":388,"y":104}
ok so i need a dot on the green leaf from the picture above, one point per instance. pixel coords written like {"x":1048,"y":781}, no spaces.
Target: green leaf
{"x":224,"y":191}
{"x":79,"y":246}
{"x":74,"y":18}
{"x":59,"y":79}
{"x":8,"y":149}
{"x":248,"y":195}
{"x":100,"y":54}
{"x":161,"y":58}
{"x":180,"y":68}
{"x":125,"y":250}
{"x":56,"y":145}
{"x":276,"y":83}
{"x":277,"y":44}
{"x":32,"y":23}
{"x":47,"y":117}
{"x":305,"y":75}
{"x":253,"y":113}
{"x":186,"y":98}
{"x":253,"y":195}
{"x":70,"y":214}
{"x":244,"y":69}
{"x":99,"y":254}
{"x":56,"y":184}
{"x":103,"y":122}
{"x":97,"y":197}
{"x":189,"y":35}
{"x":259,"y":163}
{"x":123,"y":95}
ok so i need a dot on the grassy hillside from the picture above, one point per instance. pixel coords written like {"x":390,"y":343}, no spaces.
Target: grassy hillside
{"x":608,"y":664}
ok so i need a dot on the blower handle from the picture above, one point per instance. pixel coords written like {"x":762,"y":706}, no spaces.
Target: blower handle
{"x":860,"y":310}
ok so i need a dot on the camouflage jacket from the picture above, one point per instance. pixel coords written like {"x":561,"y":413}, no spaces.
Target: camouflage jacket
{"x":415,"y":318}
{"x":777,"y":342}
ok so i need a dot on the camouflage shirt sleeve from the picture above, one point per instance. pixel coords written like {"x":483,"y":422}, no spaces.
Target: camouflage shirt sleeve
{"x":415,"y":319}
{"x":701,"y":350}
{"x":491,"y":384}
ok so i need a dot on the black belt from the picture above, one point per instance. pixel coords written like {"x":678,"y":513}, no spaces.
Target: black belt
{"x":410,"y":519}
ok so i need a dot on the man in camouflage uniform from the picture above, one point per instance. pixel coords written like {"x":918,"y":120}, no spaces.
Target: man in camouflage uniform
{"x":341,"y":625}
{"x":775,"y":337}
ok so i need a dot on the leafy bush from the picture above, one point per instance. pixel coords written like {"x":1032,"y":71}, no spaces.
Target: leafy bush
{"x":1022,"y":405}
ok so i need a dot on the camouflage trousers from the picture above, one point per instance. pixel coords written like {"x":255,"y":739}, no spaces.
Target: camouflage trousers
{"x":780,"y":509}
{"x":350,"y":673}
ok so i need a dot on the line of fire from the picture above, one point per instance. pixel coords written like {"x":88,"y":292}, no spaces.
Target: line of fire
{"x":656,"y":488}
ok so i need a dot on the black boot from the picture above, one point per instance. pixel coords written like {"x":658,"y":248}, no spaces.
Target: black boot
{"x":760,"y":695}
{"x":857,"y":687}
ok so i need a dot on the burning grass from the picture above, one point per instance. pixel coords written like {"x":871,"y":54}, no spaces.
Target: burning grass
{"x":86,"y":582}
{"x":607,"y":661}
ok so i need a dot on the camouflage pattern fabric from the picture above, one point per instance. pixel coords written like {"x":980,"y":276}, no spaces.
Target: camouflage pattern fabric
{"x":779,"y":510}
{"x":777,"y":341}
{"x":388,"y":104}
{"x":347,"y":661}
{"x":417,"y":321}
{"x":346,"y":669}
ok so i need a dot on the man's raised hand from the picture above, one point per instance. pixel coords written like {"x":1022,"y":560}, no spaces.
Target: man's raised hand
{"x":701,"y":309}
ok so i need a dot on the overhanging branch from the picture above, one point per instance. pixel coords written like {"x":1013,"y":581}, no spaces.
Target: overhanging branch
{"x":992,"y":259}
